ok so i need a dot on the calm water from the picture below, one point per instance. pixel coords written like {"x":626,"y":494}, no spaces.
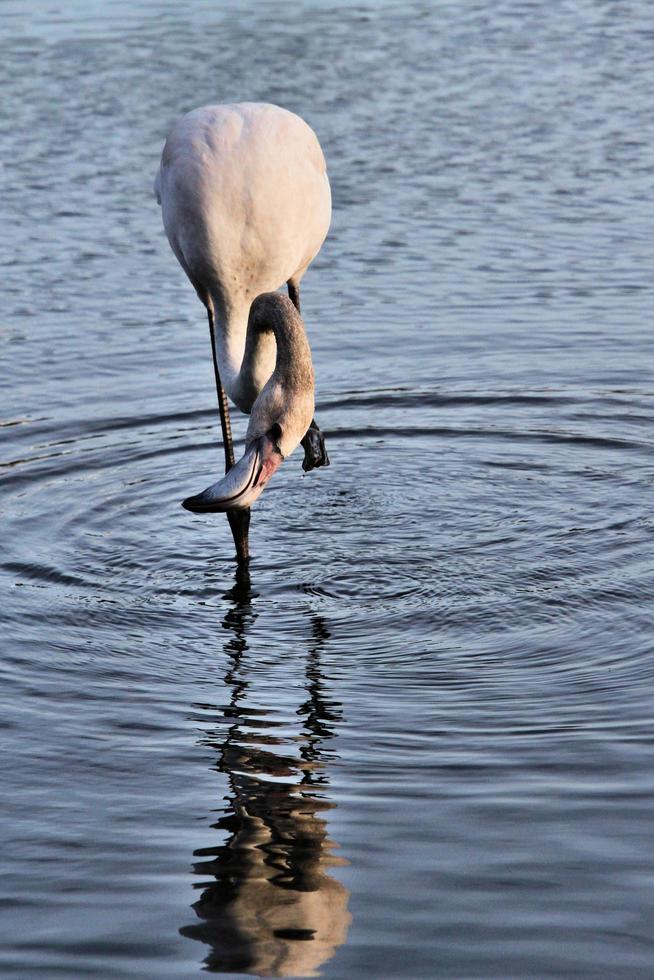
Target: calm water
{"x":418,"y":742}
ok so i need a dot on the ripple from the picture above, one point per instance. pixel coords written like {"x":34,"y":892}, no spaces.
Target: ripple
{"x":442,"y":656}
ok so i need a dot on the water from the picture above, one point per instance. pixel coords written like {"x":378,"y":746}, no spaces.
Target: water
{"x":418,"y":741}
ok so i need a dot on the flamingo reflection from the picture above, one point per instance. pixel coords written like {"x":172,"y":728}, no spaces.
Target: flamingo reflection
{"x":271,"y":908}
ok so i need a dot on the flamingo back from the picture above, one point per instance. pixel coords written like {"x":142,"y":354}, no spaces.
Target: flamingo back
{"x":245,"y":198}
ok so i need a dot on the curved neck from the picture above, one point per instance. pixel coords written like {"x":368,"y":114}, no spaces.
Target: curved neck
{"x":242,"y":375}
{"x":254,"y":343}
{"x":274,"y":314}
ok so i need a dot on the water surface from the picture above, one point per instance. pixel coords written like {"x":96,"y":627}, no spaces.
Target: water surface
{"x":417,"y":741}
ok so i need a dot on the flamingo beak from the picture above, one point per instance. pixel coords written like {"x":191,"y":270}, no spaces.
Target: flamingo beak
{"x":241,"y":486}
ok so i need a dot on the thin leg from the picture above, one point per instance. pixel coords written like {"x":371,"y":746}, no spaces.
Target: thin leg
{"x":225,"y":422}
{"x":294,"y":293}
{"x":239,"y":520}
{"x":315,"y":453}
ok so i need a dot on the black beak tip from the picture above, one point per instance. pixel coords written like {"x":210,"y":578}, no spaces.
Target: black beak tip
{"x":193,"y":504}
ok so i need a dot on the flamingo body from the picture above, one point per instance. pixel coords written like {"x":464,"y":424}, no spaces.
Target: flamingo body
{"x":246,"y":206}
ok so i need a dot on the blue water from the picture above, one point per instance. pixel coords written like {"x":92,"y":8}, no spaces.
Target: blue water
{"x":417,"y":740}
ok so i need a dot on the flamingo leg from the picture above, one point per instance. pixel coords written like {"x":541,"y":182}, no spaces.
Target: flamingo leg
{"x":315,"y":452}
{"x":294,"y":293}
{"x":239,"y":520}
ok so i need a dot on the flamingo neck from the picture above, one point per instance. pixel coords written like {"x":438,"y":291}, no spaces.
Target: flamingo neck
{"x":245,"y":365}
{"x":286,"y":402}
{"x":273,"y":317}
{"x":256,"y":343}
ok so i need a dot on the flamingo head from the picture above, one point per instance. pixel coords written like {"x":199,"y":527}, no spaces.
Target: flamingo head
{"x":241,"y":486}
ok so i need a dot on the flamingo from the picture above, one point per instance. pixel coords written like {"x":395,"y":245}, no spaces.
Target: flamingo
{"x":246,"y":206}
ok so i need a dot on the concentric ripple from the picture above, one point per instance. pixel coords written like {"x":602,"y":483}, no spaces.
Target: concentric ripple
{"x":416,"y":740}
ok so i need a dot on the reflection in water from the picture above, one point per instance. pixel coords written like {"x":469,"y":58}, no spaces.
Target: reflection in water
{"x":271,"y":908}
